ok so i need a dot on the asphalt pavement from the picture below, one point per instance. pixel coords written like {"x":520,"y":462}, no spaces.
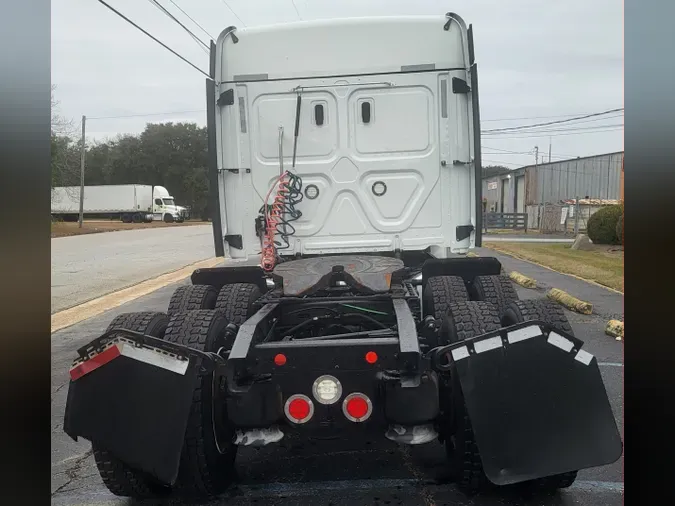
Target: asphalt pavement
{"x":347,"y":472}
{"x":91,"y":265}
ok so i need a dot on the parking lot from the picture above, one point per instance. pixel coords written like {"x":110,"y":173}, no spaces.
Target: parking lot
{"x":338,"y":471}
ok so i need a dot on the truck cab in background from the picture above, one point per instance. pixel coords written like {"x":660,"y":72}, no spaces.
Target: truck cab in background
{"x":164,"y":207}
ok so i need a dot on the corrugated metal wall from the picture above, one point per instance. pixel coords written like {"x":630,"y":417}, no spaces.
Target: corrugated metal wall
{"x":595,"y":177}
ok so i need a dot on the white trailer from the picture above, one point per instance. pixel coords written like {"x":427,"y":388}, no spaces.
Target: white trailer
{"x":131,"y":203}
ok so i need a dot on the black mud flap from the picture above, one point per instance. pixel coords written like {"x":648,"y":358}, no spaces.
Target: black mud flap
{"x":134,"y":400}
{"x":536,"y":401}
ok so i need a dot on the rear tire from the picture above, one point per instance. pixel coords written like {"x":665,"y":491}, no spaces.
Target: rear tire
{"x":192,"y":297}
{"x":549,"y":312}
{"x":137,"y":218}
{"x":204,"y":469}
{"x":236,"y":301}
{"x":126,"y":218}
{"x":463,"y":321}
{"x":119,"y":478}
{"x":545,"y":310}
{"x":495,"y":289}
{"x":168,"y":218}
{"x":441,"y":291}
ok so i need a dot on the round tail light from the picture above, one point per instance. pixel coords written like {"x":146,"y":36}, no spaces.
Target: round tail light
{"x":299,"y":408}
{"x":357,"y":407}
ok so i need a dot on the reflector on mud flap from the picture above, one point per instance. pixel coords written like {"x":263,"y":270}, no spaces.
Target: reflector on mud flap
{"x":133,"y":401}
{"x":537,"y":403}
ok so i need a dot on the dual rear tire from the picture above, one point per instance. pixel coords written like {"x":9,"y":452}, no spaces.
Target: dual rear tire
{"x":197,"y":317}
{"x":465,"y":320}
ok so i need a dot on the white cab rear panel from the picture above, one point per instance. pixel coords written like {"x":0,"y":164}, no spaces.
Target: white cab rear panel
{"x":391,"y":159}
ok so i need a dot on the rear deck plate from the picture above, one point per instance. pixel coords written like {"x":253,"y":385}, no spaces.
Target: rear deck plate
{"x":369,"y":273}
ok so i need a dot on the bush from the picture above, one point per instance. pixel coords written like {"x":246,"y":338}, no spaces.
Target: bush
{"x":619,"y":228}
{"x":602,"y":224}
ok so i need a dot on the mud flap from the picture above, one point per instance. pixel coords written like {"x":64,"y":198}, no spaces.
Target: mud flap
{"x":537,"y":403}
{"x":134,"y":401}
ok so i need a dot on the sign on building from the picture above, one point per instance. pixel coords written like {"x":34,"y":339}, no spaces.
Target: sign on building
{"x":492,"y":185}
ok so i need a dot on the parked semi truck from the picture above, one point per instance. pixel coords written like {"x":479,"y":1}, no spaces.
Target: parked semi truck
{"x":129,"y":202}
{"x":345,"y":163}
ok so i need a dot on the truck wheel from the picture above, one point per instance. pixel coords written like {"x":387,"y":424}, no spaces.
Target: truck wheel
{"x":207,"y":458}
{"x":119,"y":478}
{"x":495,"y":289}
{"x":549,"y":312}
{"x":168,"y":218}
{"x":439,"y":292}
{"x":545,"y":310}
{"x":463,"y":321}
{"x":192,"y":297}
{"x":137,"y":218}
{"x":236,"y":301}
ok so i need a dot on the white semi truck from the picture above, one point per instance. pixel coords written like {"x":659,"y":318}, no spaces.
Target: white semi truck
{"x":344,"y":159}
{"x":135,"y":203}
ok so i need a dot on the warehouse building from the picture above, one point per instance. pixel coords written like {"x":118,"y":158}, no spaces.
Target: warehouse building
{"x":529,"y":189}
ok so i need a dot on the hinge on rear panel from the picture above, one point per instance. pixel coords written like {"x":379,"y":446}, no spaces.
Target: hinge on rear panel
{"x":226,"y":98}
{"x":459,"y":86}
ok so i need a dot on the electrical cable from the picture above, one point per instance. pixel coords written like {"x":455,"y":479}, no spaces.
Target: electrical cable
{"x":175,"y":19}
{"x":154,"y":38}
{"x":191,"y":19}
{"x":234,"y":13}
{"x":521,"y":127}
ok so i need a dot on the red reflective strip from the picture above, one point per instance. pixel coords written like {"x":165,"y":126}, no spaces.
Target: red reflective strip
{"x":94,"y":363}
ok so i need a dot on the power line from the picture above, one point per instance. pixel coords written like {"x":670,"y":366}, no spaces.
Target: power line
{"x":296,"y":9}
{"x":505,"y":129}
{"x":523,"y":152}
{"x":548,"y":130}
{"x":539,"y":135}
{"x":174,"y":18}
{"x":232,"y":11}
{"x":145,"y":115}
{"x":191,"y":19}
{"x":535,"y":117}
{"x":502,"y":163}
{"x":154,"y":38}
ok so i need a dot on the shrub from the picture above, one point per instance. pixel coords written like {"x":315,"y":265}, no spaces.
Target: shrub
{"x":602,"y":224}
{"x":619,"y":229}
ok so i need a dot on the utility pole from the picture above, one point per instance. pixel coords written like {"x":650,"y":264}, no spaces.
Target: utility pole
{"x":84,"y":121}
{"x":549,"y":150}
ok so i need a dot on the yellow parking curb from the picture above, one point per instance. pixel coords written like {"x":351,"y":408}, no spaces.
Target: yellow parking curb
{"x":571,"y":303}
{"x":471,"y":254}
{"x":94,"y":307}
{"x":522,"y":280}
{"x":615,"y":329}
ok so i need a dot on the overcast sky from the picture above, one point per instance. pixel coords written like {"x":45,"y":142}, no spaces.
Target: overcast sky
{"x":539,"y":61}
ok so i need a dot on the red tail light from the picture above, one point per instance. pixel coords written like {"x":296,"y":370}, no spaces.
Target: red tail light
{"x":299,"y":408}
{"x":357,"y":407}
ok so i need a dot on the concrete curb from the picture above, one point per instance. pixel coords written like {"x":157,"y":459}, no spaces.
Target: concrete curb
{"x":472,"y":254}
{"x":571,"y":303}
{"x":522,"y":280}
{"x":94,"y":307}
{"x":614,"y":328}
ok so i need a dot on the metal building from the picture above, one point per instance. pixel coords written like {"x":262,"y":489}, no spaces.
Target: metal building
{"x":591,"y":177}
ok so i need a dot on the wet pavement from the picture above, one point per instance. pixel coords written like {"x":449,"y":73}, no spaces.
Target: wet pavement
{"x":325,"y":472}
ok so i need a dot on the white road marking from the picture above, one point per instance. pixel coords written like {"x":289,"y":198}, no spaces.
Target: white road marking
{"x":610,"y":364}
